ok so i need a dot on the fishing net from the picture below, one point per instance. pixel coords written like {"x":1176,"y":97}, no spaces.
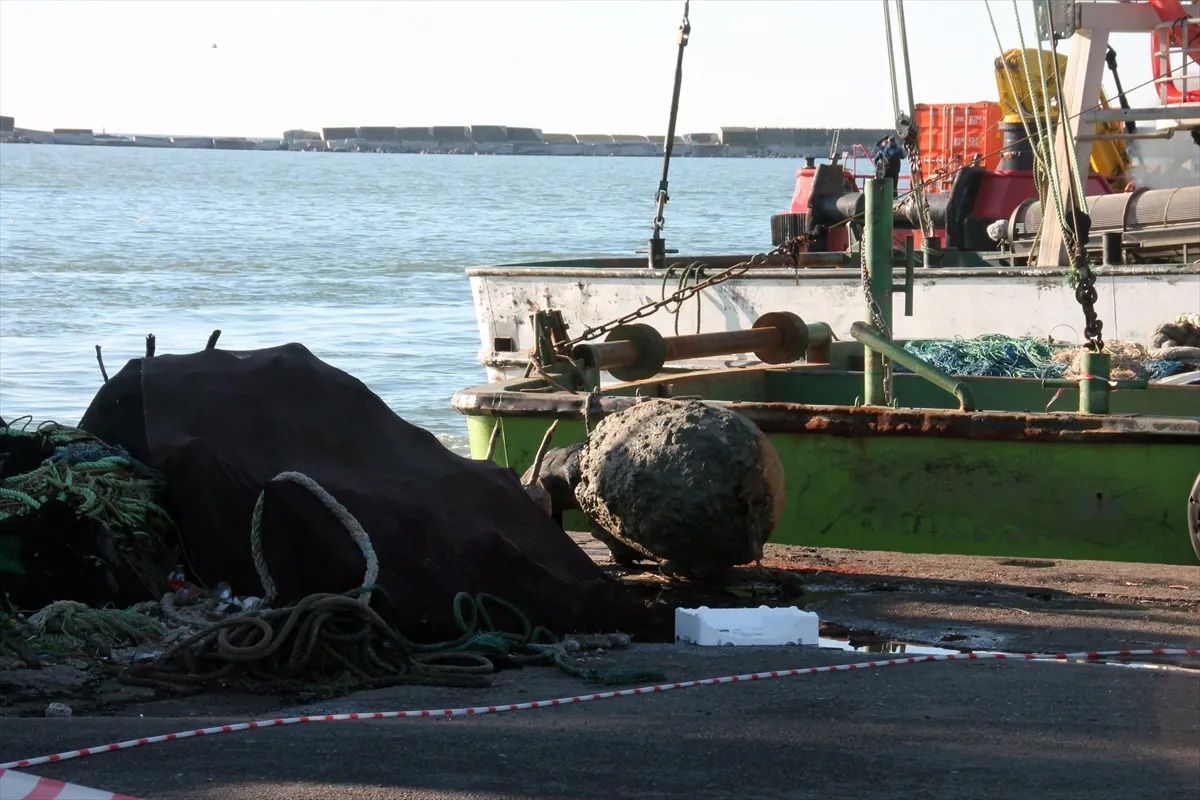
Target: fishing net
{"x":1014,"y":357}
{"x":66,"y":496}
{"x":73,"y":633}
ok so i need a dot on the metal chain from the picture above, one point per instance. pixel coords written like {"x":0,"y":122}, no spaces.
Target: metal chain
{"x":877,"y":321}
{"x":683,"y":295}
{"x":916,"y":178}
{"x":1085,"y":280}
{"x":1085,"y":293}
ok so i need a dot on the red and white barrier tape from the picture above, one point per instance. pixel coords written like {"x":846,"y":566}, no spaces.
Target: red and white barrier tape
{"x":21,"y":786}
{"x":662,"y":687}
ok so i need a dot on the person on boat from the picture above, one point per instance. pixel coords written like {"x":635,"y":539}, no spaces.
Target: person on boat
{"x":888,"y":155}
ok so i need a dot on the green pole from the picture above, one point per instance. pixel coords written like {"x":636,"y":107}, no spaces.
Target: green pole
{"x":1093,"y":388}
{"x":877,"y":256}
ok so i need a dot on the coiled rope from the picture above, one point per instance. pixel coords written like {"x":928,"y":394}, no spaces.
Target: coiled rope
{"x":331,"y":643}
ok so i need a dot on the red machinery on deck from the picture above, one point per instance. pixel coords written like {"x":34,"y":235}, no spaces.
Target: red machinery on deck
{"x":975,"y":176}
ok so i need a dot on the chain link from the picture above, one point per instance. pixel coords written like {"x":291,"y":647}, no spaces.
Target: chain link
{"x":1085,"y":280}
{"x":683,"y":295}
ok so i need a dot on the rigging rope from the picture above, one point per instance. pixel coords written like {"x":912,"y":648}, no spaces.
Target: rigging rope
{"x":1012,"y":87}
{"x":912,"y":109}
{"x":1072,"y":154}
{"x":1042,"y":122}
{"x":906,"y":124}
{"x":887,"y":25}
{"x":1076,"y":224}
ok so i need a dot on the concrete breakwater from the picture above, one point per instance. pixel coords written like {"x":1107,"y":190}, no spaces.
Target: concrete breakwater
{"x":483,"y":140}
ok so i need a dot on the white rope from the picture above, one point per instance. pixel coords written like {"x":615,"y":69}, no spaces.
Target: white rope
{"x":347,"y":519}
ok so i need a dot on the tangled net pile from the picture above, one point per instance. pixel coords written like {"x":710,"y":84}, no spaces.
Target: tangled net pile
{"x":102,"y":483}
{"x":76,"y":631}
{"x":1175,"y":349}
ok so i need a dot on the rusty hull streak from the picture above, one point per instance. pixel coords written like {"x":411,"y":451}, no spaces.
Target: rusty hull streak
{"x":863,"y":421}
{"x":858,"y":422}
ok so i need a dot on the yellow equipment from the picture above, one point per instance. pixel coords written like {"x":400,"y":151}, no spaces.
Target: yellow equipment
{"x":1110,"y":157}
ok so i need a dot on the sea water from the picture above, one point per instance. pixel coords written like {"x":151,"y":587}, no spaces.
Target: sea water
{"x":359,"y":257}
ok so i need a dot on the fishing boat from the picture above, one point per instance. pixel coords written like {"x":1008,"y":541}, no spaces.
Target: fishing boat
{"x":1085,"y":467}
{"x":975,"y":215}
{"x":881,"y":448}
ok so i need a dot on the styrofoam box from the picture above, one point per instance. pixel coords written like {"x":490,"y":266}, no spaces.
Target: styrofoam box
{"x":745,"y":626}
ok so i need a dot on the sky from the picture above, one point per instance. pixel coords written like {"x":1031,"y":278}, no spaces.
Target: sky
{"x":564,"y":66}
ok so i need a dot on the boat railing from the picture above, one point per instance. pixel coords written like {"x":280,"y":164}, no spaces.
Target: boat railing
{"x":1177,"y":61}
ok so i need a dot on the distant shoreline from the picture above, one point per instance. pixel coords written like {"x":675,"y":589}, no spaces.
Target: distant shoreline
{"x":481,"y":140}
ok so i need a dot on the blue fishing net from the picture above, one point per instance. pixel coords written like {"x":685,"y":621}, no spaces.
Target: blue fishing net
{"x":1001,"y":356}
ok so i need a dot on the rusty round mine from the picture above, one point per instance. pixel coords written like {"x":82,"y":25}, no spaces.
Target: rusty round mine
{"x":794,"y":335}
{"x":651,"y":347}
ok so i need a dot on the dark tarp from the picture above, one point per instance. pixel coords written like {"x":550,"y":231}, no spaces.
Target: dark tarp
{"x":221,"y":424}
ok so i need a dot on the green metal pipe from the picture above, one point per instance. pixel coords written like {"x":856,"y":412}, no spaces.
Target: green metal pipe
{"x":877,"y":255}
{"x":1093,"y":387}
{"x":874,"y":340}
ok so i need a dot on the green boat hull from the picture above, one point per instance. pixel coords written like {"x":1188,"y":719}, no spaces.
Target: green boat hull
{"x":1020,"y":485}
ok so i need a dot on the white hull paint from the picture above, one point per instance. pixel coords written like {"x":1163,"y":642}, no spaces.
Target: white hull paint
{"x":970,"y":302}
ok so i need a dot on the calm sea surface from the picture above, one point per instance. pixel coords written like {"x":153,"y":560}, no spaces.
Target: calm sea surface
{"x":359,"y":257}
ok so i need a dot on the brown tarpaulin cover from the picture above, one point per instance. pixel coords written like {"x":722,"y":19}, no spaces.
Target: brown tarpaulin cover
{"x":221,"y":424}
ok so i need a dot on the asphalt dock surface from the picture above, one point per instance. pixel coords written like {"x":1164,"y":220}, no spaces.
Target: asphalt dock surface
{"x":932,"y":730}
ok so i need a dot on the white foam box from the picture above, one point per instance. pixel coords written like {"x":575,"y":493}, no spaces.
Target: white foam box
{"x":745,"y":626}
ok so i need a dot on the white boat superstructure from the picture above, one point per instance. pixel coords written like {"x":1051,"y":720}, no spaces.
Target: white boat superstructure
{"x":1012,"y":279}
{"x":1034,"y":303}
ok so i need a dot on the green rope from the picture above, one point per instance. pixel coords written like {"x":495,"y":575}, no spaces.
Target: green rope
{"x":1041,"y":120}
{"x":1072,"y":153}
{"x":110,"y":626}
{"x":101,"y":483}
{"x":67,"y":628}
{"x":333,"y":643}
{"x":528,"y":644}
